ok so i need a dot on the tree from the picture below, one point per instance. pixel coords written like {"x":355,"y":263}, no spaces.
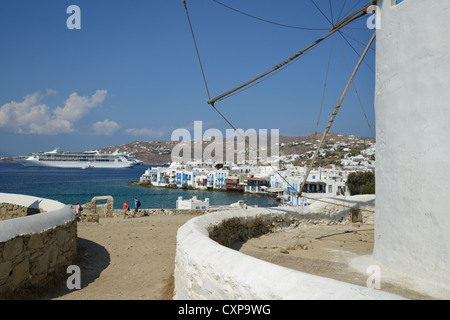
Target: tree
{"x":361,"y":183}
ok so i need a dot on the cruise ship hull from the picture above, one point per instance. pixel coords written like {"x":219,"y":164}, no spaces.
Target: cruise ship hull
{"x":75,"y":164}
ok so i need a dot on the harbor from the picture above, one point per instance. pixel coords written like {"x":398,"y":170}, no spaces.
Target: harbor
{"x":69,"y":185}
{"x":283,"y":185}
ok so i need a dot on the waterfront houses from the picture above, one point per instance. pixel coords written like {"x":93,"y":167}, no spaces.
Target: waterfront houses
{"x":321,"y":183}
{"x":256,"y":184}
{"x":285,"y":184}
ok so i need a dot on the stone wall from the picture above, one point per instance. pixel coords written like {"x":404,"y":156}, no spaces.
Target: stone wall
{"x":243,"y":228}
{"x":102,"y":210}
{"x":32,"y":259}
{"x":11,"y":211}
{"x":92,"y":211}
{"x":35,"y":249}
{"x":151,"y":212}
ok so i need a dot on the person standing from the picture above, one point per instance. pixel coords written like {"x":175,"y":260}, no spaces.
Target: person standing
{"x":137,"y":204}
{"x":126,"y":208}
{"x":78,"y":210}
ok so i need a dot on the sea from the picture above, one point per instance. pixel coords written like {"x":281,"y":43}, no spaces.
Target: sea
{"x":71,"y":185}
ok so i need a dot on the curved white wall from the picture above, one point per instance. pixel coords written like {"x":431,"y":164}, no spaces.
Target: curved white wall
{"x":412,"y":105}
{"x":35,"y":248}
{"x":204,"y":269}
{"x":56,"y":213}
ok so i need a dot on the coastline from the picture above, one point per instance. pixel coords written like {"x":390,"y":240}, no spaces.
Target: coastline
{"x":71,"y":185}
{"x":149,"y":185}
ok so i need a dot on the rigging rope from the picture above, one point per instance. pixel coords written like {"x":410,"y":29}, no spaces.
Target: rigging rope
{"x":324,"y":86}
{"x":336,"y":109}
{"x":340,"y":31}
{"x":361,"y":12}
{"x":331,"y":11}
{"x":263,"y":79}
{"x":196,"y":48}
{"x":268,"y":21}
{"x":342,"y":9}
{"x":339,"y":43}
{"x":352,"y":8}
{"x":323,"y":14}
{"x":212,"y":101}
{"x":356,"y":40}
{"x":353,"y":48}
{"x":356,"y":90}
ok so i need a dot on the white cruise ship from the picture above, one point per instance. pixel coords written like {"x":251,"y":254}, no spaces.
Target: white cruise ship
{"x":88,"y":159}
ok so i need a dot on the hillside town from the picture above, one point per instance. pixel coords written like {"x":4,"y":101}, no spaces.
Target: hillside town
{"x":296,"y":150}
{"x":283,"y":181}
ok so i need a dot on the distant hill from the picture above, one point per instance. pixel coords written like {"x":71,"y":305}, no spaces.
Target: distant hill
{"x":335,"y":147}
{"x":7,"y":157}
{"x":296,"y":150}
{"x":151,"y":152}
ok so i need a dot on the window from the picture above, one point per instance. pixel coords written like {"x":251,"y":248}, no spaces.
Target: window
{"x":330,"y":189}
{"x":395,"y":2}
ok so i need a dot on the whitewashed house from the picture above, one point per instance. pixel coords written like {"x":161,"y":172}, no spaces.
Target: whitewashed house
{"x":219,"y":176}
{"x":192,"y":204}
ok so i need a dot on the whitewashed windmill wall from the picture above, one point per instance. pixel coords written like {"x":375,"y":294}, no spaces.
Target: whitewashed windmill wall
{"x":412,"y":106}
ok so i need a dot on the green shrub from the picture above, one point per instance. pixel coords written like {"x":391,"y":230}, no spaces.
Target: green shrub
{"x":361,"y":183}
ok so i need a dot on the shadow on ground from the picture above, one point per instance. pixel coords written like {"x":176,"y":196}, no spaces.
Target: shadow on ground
{"x":92,"y":259}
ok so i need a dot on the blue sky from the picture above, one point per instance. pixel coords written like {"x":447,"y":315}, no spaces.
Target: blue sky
{"x":131,"y":71}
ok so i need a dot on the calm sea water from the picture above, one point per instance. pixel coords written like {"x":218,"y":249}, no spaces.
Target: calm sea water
{"x":71,"y":185}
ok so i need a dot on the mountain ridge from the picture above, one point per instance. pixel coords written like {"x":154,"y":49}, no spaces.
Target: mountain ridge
{"x":335,"y":147}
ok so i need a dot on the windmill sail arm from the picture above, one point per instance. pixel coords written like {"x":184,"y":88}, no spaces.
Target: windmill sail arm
{"x":354,"y":16}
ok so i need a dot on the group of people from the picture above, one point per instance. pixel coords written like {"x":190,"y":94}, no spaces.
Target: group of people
{"x":126,"y":209}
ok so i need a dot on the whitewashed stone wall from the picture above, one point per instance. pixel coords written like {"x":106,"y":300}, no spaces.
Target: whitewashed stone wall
{"x":37,"y":247}
{"x":205,"y":269}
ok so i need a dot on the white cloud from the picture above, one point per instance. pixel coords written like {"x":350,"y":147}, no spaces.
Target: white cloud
{"x":105,"y":127}
{"x":77,"y":106}
{"x":32,"y":117}
{"x":50,"y":92}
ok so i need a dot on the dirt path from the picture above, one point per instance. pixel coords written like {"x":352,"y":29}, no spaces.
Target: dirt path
{"x":126,"y":259}
{"x":133,"y":259}
{"x":324,"y":250}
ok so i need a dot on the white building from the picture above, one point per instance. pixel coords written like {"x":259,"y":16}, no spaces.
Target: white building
{"x":219,"y":177}
{"x":322,"y":183}
{"x":192,"y":204}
